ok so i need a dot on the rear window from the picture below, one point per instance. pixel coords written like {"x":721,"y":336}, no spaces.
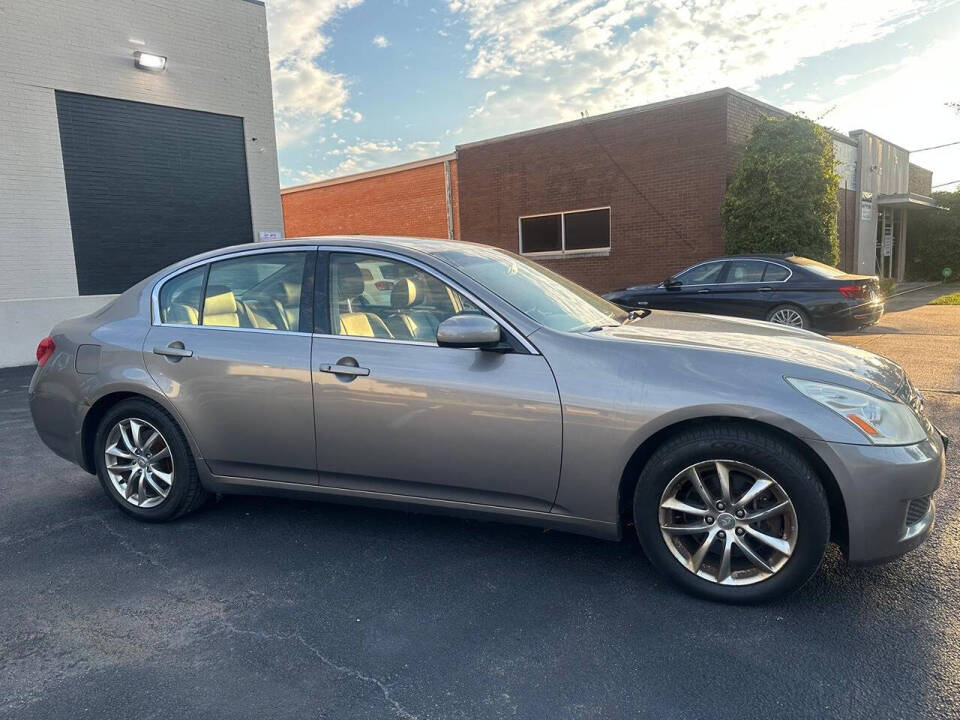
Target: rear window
{"x":816,"y":267}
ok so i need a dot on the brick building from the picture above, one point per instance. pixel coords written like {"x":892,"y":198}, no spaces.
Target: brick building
{"x":417,"y":199}
{"x":132,"y":135}
{"x":612,"y":200}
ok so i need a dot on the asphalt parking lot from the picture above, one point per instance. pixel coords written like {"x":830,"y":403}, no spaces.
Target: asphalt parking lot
{"x":259,"y":607}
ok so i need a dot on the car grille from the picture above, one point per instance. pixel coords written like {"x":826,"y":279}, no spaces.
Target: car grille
{"x":917,"y":509}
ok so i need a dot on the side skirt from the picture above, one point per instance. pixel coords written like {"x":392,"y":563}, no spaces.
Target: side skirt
{"x":567,"y":523}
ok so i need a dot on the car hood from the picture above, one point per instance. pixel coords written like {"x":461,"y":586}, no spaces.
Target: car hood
{"x":757,"y":338}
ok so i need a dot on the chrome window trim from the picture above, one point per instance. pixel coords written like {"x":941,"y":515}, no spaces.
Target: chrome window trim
{"x":351,"y":250}
{"x":155,"y":293}
{"x":726,"y":260}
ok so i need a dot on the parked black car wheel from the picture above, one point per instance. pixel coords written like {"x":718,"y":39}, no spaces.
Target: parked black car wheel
{"x":789,"y":315}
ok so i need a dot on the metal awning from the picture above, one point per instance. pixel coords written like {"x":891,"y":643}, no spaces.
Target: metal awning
{"x":908,"y":201}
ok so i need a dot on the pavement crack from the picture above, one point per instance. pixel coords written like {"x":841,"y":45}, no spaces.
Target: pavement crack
{"x":125,"y":543}
{"x":39,"y":533}
{"x":398,"y":709}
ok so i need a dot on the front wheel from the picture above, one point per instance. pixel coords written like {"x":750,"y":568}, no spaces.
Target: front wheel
{"x":789,"y":315}
{"x":144,"y":463}
{"x":732,"y":513}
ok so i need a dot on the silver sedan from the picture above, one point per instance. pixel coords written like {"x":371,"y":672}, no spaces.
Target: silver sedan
{"x":486,"y":385}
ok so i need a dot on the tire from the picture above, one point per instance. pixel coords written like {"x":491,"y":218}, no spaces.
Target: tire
{"x":744,"y":449}
{"x":789,"y":311}
{"x":184,"y":493}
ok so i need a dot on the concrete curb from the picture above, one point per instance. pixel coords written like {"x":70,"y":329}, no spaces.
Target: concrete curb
{"x":914,"y":289}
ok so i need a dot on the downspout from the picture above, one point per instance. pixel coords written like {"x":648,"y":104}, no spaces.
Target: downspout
{"x":448,"y":188}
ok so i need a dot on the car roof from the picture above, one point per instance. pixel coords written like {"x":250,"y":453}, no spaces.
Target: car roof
{"x":757,"y":256}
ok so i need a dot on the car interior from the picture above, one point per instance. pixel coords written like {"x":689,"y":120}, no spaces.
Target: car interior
{"x":418,"y":302}
{"x":264,"y":293}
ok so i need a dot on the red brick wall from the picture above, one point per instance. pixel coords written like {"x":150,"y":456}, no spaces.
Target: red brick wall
{"x":407,"y":202}
{"x":675,"y":154}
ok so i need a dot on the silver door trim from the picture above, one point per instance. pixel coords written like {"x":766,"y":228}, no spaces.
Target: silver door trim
{"x":348,"y":249}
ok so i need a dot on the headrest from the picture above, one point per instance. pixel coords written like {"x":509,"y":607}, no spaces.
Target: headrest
{"x":220,"y":301}
{"x":349,"y":281}
{"x":405,"y":294}
{"x":291,"y":293}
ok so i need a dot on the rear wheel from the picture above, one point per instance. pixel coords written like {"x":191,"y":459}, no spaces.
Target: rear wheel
{"x":732,"y":514}
{"x":144,"y":463}
{"x":789,"y":315}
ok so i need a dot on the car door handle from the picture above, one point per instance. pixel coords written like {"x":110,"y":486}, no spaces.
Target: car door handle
{"x":766,"y":289}
{"x":703,"y":291}
{"x":345,"y":370}
{"x":173,"y":351}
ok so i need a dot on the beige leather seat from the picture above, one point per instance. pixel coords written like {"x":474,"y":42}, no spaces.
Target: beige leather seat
{"x":289,"y":306}
{"x":406,"y":321}
{"x":220,"y":309}
{"x":350,"y":287}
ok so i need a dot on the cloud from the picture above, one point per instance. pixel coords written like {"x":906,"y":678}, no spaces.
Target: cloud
{"x":305,"y":94}
{"x":380,"y":41}
{"x":362,"y":155}
{"x":918,"y":118}
{"x":568,"y":56}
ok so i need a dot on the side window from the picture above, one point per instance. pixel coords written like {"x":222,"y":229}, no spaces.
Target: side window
{"x":701,"y":274}
{"x":745,"y":271}
{"x":180,"y":298}
{"x":379,"y":297}
{"x":255,"y":291}
{"x":775,"y":273}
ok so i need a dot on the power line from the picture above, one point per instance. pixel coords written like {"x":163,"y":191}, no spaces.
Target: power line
{"x":935,"y":147}
{"x":639,"y":192}
{"x":947,"y":183}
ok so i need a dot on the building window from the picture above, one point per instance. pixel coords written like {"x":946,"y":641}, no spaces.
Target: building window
{"x":567,"y":232}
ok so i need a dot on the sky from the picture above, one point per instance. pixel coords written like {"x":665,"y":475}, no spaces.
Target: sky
{"x":364,"y":84}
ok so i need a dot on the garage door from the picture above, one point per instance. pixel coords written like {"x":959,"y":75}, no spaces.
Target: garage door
{"x":148,"y":185}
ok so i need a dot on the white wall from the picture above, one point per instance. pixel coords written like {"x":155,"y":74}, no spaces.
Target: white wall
{"x":217,"y":62}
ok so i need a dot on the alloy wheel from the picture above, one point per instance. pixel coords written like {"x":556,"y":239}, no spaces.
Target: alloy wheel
{"x":728,"y":522}
{"x":787,"y":316}
{"x":139,"y":463}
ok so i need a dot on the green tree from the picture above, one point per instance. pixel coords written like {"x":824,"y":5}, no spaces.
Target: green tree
{"x":783,"y":196}
{"x":933,"y":239}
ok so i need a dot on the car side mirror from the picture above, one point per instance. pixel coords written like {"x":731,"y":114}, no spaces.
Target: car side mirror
{"x":671,"y":283}
{"x":469,"y":331}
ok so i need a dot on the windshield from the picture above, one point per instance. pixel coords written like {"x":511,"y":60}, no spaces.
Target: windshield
{"x":539,"y":293}
{"x":816,"y":267}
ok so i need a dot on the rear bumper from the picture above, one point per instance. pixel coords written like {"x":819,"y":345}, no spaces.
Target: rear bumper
{"x":54,"y":412}
{"x":853,"y":317}
{"x":887,"y":493}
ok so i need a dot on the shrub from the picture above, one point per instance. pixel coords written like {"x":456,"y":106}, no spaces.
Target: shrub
{"x":933,"y":239}
{"x":783,"y":195}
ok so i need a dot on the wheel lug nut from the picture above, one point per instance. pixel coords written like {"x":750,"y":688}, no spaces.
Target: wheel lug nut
{"x":721,"y":534}
{"x":739,"y":531}
{"x":709,"y":520}
{"x":720,"y":506}
{"x":740,"y":513}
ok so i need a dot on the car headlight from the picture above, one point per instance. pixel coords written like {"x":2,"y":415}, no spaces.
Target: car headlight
{"x":884,"y":422}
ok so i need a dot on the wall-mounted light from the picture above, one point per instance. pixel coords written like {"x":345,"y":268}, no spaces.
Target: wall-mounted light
{"x":149,"y":61}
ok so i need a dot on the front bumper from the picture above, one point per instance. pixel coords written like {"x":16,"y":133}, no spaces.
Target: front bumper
{"x":888,"y":494}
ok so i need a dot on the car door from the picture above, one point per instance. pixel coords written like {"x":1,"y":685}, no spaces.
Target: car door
{"x":396,"y":413}
{"x":227,"y":349}
{"x":750,"y":288}
{"x":696,"y":285}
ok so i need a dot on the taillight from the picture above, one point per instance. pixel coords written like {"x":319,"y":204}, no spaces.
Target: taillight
{"x":384,"y":285}
{"x":45,"y":350}
{"x":853,"y":291}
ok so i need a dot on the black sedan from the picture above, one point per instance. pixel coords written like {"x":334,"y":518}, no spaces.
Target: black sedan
{"x":786,"y":289}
